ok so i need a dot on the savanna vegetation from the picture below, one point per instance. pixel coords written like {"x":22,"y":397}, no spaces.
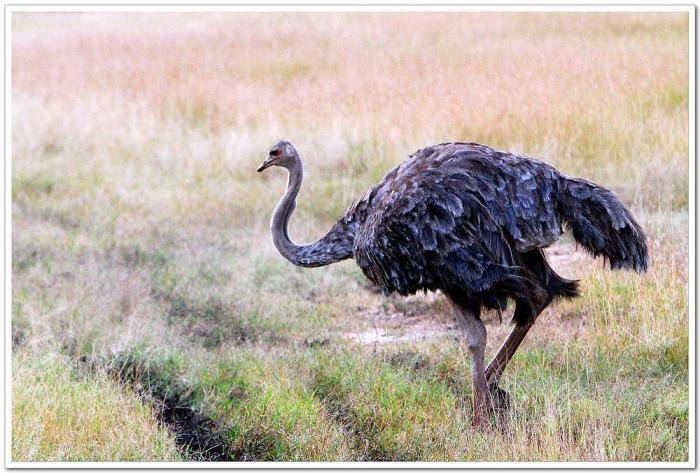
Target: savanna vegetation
{"x":153,"y":320}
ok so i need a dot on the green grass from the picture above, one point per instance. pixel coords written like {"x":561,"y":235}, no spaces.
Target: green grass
{"x":347,"y":404}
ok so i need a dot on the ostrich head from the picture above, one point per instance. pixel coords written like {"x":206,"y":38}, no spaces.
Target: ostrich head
{"x":281,"y":154}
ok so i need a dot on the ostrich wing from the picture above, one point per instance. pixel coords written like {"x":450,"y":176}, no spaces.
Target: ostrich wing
{"x":455,"y":217}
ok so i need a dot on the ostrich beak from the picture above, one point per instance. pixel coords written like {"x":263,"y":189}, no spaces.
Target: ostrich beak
{"x":266,"y":164}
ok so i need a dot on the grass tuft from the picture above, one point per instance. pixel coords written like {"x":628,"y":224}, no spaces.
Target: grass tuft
{"x":58,"y":416}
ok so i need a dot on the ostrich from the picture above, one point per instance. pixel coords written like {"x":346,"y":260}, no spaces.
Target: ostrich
{"x":471,"y":222}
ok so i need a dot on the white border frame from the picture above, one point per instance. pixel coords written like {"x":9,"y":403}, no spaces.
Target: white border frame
{"x":353,"y":6}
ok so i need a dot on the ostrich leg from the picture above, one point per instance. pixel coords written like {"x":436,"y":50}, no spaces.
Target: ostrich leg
{"x":505,"y":353}
{"x":537,"y":260}
{"x":474,"y":332}
{"x":507,"y":350}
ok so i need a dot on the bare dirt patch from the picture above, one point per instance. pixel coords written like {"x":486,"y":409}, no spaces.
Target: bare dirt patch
{"x":395,"y":320}
{"x":424,"y":317}
{"x":565,"y":255}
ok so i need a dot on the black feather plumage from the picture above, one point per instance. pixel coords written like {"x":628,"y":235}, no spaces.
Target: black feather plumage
{"x":471,"y":221}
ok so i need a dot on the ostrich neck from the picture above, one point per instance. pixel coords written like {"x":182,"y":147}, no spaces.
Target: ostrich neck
{"x":335,"y":246}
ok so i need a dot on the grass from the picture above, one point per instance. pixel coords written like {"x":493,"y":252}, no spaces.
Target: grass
{"x":149,"y":305}
{"x":59,"y":416}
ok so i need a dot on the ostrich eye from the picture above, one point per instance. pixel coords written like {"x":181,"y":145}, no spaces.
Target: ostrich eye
{"x":275,"y":152}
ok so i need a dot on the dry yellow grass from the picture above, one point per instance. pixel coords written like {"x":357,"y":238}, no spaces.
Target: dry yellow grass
{"x":58,"y":416}
{"x":138,"y":221}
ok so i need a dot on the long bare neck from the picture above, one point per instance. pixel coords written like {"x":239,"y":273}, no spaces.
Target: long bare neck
{"x":335,"y":246}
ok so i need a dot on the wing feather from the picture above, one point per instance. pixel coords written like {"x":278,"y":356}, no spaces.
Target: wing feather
{"x":455,"y":217}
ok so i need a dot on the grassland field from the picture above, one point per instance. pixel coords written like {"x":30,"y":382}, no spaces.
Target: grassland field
{"x":153,"y":320}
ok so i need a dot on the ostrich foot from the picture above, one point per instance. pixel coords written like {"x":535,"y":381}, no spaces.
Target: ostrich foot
{"x":481,"y":408}
{"x":480,"y":418}
{"x":481,"y":422}
{"x":496,"y":401}
{"x":500,"y":399}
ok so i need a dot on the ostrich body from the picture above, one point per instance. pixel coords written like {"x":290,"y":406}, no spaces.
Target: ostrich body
{"x":471,"y":222}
